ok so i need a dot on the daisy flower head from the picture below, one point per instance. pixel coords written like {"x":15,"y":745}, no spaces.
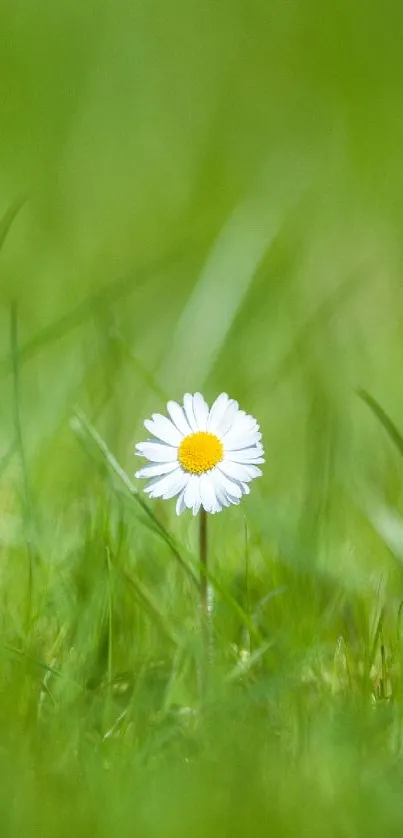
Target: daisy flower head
{"x":204,"y":457}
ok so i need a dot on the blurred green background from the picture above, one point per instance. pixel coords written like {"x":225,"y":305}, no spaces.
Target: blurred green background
{"x":201,"y":196}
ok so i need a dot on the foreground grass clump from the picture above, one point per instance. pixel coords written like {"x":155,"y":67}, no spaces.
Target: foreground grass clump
{"x":107,"y":720}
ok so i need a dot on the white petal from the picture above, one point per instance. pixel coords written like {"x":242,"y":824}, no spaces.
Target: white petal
{"x":243,"y":423}
{"x":163,"y":429}
{"x":207,"y":492}
{"x":227,"y":418}
{"x":239,"y":419}
{"x":252,"y":470}
{"x":231,"y":499}
{"x":227,"y":492}
{"x":180,"y":484}
{"x":217,"y":506}
{"x":155,"y":471}
{"x":230,"y":487}
{"x":217,"y":411}
{"x":177,"y":415}
{"x":246,"y":489}
{"x":156,"y":452}
{"x":200,"y":411}
{"x":192,"y":491}
{"x":152,"y":484}
{"x":242,"y":440}
{"x":246,"y":455}
{"x":196,"y":506}
{"x":156,"y":484}
{"x":169,"y":485}
{"x":216,"y":478}
{"x":180,"y":503}
{"x":240,"y":472}
{"x":188,"y":405}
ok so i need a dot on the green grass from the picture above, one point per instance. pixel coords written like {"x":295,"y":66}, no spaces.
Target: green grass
{"x":201,"y":196}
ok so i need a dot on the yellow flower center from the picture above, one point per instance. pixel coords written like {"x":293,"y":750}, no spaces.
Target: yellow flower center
{"x":200,"y":452}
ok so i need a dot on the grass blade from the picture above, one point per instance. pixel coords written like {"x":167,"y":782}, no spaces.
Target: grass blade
{"x":8,"y":218}
{"x":384,"y":419}
{"x":83,"y":429}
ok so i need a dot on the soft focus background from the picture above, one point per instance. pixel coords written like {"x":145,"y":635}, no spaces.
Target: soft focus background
{"x":201,"y":196}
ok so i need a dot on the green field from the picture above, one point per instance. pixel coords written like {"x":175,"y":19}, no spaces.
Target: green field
{"x":201,"y":196}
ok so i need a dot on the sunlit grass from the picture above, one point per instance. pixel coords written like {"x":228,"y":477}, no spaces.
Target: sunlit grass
{"x":204,"y":196}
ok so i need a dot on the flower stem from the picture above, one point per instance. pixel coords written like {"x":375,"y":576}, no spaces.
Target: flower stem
{"x":27,"y":514}
{"x":204,"y":606}
{"x":203,"y":563}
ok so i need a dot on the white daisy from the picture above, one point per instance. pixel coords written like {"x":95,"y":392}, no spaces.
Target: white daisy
{"x":204,"y":457}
